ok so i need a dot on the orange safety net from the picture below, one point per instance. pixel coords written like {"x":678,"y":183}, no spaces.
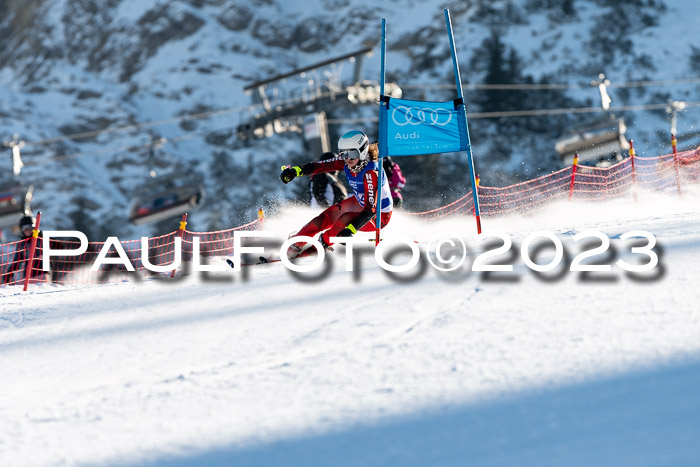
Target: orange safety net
{"x":590,"y":183}
{"x":77,"y":270}
{"x":660,"y":173}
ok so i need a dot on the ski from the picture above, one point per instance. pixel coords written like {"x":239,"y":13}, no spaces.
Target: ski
{"x":261,"y":260}
{"x":273,"y":259}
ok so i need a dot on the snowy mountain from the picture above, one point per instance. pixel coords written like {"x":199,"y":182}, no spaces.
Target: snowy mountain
{"x":264,"y":368}
{"x":129,"y":69}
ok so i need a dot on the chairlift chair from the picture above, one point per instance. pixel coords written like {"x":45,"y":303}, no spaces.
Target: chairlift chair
{"x":15,"y":202}
{"x":594,"y":141}
{"x":165,"y":199}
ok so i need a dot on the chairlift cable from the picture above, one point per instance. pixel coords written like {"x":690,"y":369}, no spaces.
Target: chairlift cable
{"x":130,"y":147}
{"x":136,"y":126}
{"x":202,"y":115}
{"x":546,"y":86}
{"x":530,"y":113}
{"x":475,"y":115}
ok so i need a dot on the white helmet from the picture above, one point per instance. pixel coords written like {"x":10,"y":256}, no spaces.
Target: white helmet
{"x":354,"y":145}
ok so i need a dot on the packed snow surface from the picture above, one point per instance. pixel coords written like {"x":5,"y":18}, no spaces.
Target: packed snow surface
{"x":262,"y":367}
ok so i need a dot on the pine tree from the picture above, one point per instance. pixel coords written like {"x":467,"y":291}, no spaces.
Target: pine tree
{"x":506,"y":137}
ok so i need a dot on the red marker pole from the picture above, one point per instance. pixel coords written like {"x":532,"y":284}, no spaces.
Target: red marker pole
{"x":261,"y":218}
{"x":32,"y":250}
{"x":478,"y":180}
{"x":573,"y":176}
{"x":674,"y":145}
{"x":634,"y":173}
{"x":179,"y":233}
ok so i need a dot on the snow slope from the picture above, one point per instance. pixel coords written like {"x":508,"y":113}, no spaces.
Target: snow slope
{"x":264,"y":368}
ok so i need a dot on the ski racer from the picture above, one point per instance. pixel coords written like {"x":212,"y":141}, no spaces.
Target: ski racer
{"x":21,"y":255}
{"x":396,"y":180}
{"x":357,"y":213}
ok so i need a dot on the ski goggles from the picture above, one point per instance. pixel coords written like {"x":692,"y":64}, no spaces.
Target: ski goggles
{"x":351,"y":154}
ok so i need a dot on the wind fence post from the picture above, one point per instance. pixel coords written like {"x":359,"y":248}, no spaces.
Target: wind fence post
{"x":674,"y":145}
{"x":573,"y":176}
{"x":32,"y":250}
{"x":634,"y":173}
{"x":179,"y":233}
{"x":261,"y":218}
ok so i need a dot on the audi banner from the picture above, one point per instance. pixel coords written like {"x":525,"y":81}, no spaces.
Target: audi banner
{"x":420,"y":127}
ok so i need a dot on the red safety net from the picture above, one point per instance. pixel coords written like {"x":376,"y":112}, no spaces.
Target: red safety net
{"x":13,"y":259}
{"x":663,"y":173}
{"x":158,"y":251}
{"x":660,"y":173}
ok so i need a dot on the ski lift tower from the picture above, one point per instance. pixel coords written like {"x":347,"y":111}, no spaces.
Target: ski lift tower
{"x":305,"y":111}
{"x":602,"y":83}
{"x":600,"y":140}
{"x":672,"y":108}
{"x":15,"y":198}
{"x":16,"y":144}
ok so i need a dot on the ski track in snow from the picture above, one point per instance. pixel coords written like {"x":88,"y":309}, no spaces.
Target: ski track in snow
{"x":260,"y":368}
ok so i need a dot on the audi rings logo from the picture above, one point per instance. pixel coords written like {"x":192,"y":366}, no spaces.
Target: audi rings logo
{"x":421,"y":115}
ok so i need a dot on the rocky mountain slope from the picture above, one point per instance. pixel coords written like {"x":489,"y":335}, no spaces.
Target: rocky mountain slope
{"x":118,"y":73}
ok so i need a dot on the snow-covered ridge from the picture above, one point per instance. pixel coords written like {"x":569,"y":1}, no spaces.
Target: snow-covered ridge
{"x":77,"y":65}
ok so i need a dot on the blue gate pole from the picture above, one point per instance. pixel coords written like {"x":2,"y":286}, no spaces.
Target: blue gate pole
{"x":382,"y":136}
{"x":458,"y":79}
